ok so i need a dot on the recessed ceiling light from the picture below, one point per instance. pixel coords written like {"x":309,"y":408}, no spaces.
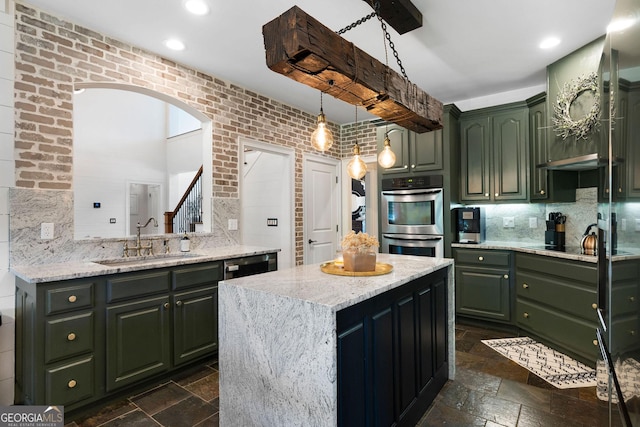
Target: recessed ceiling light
{"x":174,"y":44}
{"x":620,"y":25}
{"x":197,"y":7}
{"x":549,"y":42}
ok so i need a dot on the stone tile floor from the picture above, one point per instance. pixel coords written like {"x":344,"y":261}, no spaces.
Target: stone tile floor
{"x":489,"y":390}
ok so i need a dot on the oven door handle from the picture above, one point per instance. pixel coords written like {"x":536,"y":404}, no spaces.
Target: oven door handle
{"x":411,"y":192}
{"x":411,"y":237}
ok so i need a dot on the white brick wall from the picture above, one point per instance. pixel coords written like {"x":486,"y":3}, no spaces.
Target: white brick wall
{"x":7,"y":180}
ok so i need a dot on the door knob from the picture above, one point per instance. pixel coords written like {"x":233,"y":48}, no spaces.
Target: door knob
{"x":312,"y":241}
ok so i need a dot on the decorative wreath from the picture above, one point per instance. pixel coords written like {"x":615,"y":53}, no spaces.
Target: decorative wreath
{"x":563,"y":123}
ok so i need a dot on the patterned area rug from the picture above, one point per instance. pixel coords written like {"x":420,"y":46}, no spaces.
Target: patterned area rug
{"x":554,"y":367}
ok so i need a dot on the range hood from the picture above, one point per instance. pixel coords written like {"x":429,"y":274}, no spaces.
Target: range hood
{"x":579,"y":163}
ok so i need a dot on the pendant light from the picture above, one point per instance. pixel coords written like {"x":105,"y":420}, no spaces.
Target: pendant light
{"x":356,"y":168}
{"x":386,"y":158}
{"x":322,"y":138}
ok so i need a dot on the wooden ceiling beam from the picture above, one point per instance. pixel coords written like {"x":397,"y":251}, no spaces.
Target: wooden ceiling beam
{"x":402,"y":15}
{"x":301,"y":48}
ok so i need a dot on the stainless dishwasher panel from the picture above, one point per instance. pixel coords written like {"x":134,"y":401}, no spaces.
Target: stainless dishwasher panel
{"x":246,"y":266}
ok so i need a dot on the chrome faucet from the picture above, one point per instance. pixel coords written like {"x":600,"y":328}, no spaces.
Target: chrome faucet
{"x":139,"y":246}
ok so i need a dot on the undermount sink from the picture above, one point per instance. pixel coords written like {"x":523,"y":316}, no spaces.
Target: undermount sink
{"x":118,"y":262}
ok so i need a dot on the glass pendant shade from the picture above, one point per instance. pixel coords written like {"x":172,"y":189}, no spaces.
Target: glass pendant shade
{"x":386,"y":158}
{"x":356,"y":168}
{"x":322,"y":138}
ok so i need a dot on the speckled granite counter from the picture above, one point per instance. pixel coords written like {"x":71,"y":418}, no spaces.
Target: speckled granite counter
{"x":73,"y":270}
{"x":569,"y":252}
{"x":278,"y":339}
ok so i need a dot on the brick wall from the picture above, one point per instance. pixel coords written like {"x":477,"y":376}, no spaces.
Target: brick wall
{"x":52,"y":54}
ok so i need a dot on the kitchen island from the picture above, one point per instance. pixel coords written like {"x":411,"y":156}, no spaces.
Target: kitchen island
{"x":302,"y":347}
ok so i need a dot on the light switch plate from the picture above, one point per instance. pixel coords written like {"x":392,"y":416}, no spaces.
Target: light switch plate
{"x":508,"y":222}
{"x":46,"y":230}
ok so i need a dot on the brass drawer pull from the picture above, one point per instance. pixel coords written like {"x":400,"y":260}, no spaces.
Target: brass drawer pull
{"x":166,"y":305}
{"x":632,"y":332}
{"x":178,"y":303}
{"x":594,"y":306}
{"x":525,"y":286}
{"x":496,"y":194}
{"x":526,"y":315}
{"x":595,"y":342}
{"x":72,"y":383}
{"x":72,"y":298}
{"x":632,"y":299}
{"x":480,"y":258}
{"x":506,"y":276}
{"x":71,"y":336}
{"x":542,"y":192}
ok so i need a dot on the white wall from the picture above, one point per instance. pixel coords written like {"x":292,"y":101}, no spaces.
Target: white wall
{"x":7,"y":180}
{"x":265,"y":194}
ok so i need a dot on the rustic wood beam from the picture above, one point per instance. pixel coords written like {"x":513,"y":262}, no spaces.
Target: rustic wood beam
{"x":301,"y":48}
{"x":402,"y":15}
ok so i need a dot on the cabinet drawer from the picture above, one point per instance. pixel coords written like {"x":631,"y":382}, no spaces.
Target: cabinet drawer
{"x":568,"y":297}
{"x":625,"y":334}
{"x":197,"y":275}
{"x":69,"y":298}
{"x":575,"y":335}
{"x":68,"y":336}
{"x":573,"y":270}
{"x":483,"y":257}
{"x":624,"y":300}
{"x":69,"y":383}
{"x":133,"y":285}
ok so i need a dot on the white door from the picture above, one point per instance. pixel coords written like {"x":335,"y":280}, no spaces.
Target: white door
{"x":321,"y":207}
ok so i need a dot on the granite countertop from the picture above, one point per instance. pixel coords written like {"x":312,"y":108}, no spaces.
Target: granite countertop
{"x":78,"y":269}
{"x":569,"y":252}
{"x":308,"y":283}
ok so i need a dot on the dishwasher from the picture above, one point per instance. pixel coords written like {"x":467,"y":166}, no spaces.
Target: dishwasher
{"x":246,"y":266}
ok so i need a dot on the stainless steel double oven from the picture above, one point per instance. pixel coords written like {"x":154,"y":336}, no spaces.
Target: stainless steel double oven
{"x":411,"y":216}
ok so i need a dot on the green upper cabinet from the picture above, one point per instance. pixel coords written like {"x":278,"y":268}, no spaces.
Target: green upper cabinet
{"x":633,"y":142}
{"x":493,"y":154}
{"x":415,"y":152}
{"x":545,"y":185}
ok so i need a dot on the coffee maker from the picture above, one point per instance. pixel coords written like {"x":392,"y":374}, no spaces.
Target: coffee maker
{"x":469,"y":225}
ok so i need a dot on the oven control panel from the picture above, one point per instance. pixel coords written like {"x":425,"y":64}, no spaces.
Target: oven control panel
{"x":412,"y":182}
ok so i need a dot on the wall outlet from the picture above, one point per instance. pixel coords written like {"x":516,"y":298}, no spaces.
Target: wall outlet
{"x":508,"y":222}
{"x":533,"y":222}
{"x":233,"y":224}
{"x":46,"y":230}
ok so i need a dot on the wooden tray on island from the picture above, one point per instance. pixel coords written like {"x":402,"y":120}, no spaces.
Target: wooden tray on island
{"x":337,"y":268}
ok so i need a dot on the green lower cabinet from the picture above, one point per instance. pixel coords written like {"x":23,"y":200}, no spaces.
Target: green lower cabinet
{"x":556,"y":301}
{"x":483,"y":284}
{"x":138,"y":341}
{"x":195,"y":324}
{"x":84,"y":340}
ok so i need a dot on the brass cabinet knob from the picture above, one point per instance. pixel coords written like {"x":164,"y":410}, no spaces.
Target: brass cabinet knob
{"x":72,"y":383}
{"x":542,"y":192}
{"x":594,"y":306}
{"x":413,"y":166}
{"x":166,"y":305}
{"x":525,"y":286}
{"x":178,"y":303}
{"x":72,"y":298}
{"x":405,"y":166}
{"x":619,"y":189}
{"x":71,"y":336}
{"x":606,"y":191}
{"x":632,"y":299}
{"x":506,"y":276}
{"x":496,"y":194}
{"x":595,"y":342}
{"x":526,"y":315}
{"x":486,"y":194}
{"x":480,"y":258}
{"x":632,"y":332}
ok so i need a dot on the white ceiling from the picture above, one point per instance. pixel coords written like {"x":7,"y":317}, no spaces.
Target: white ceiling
{"x":466,"y":49}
